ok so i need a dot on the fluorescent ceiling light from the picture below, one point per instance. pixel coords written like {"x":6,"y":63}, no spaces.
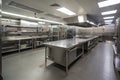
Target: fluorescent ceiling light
{"x":41,"y":22}
{"x":66,"y":11}
{"x":30,"y":18}
{"x":109,"y":12}
{"x":108,"y":3}
{"x":81,"y":19}
{"x":108,"y":17}
{"x":107,"y":21}
{"x":24,"y":22}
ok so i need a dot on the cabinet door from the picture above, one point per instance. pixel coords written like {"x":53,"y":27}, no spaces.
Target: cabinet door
{"x":72,"y":55}
{"x":57,"y":55}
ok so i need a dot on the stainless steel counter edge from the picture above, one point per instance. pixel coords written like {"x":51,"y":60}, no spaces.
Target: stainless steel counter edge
{"x":22,"y":38}
{"x":67,"y":43}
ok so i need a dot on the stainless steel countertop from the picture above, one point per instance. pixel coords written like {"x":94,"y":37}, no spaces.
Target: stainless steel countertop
{"x":15,"y":38}
{"x":68,"y":43}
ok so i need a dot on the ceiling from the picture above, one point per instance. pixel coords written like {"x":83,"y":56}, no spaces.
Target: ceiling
{"x":49,"y":12}
{"x":93,"y":10}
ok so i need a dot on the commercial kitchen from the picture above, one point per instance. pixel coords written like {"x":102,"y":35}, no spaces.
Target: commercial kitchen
{"x":60,"y":40}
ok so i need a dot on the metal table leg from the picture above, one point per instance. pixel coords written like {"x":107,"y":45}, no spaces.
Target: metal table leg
{"x":19,"y":46}
{"x":32,"y":43}
{"x":45,"y":58}
{"x":83,"y":50}
{"x":67,"y":62}
{"x":35,"y":43}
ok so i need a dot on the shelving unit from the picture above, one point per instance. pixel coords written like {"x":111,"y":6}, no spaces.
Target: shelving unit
{"x":17,"y":38}
{"x":59,"y":33}
{"x":56,"y":34}
{"x":10,"y":46}
{"x":25,"y":37}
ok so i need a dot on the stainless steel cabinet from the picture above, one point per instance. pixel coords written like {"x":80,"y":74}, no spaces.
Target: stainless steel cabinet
{"x":58,"y":55}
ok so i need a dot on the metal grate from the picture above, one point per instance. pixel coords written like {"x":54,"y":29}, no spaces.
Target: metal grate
{"x":18,"y":5}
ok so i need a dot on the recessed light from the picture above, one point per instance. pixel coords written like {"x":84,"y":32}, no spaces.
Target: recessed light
{"x":108,"y":3}
{"x":110,"y":17}
{"x":109,"y":12}
{"x":66,"y":11}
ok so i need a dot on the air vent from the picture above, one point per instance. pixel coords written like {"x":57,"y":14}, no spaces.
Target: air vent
{"x":51,"y":15}
{"x":55,"y":5}
{"x":18,"y":5}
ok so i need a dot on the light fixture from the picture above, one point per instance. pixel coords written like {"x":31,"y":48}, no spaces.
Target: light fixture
{"x":41,"y":22}
{"x":110,"y":17}
{"x":81,"y":19}
{"x":108,"y":3}
{"x":109,"y":12}
{"x":108,"y":21}
{"x":28,"y":23}
{"x":66,"y":11}
{"x":30,"y":18}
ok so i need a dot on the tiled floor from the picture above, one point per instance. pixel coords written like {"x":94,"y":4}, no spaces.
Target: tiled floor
{"x":29,"y":65}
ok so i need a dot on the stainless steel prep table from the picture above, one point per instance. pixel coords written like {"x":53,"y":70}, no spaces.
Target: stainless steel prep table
{"x":18,"y":39}
{"x":39,"y":39}
{"x":64,"y":52}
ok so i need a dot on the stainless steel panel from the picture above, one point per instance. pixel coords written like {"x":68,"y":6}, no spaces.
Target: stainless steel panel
{"x":64,"y":52}
{"x":57,"y":55}
{"x":72,"y":55}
